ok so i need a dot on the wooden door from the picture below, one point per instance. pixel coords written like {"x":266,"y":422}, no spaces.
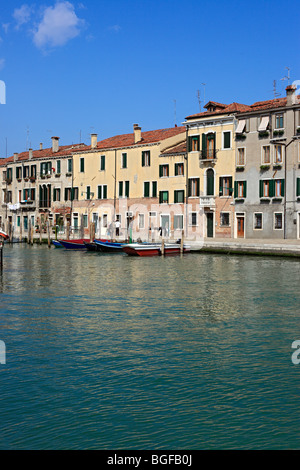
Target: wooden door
{"x":240,"y":227}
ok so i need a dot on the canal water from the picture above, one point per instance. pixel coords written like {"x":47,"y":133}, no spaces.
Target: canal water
{"x":114,"y":352}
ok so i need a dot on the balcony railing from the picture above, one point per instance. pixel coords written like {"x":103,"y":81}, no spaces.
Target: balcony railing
{"x":208,"y":154}
{"x":207,"y":201}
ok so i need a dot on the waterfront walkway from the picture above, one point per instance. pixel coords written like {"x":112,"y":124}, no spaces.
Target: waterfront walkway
{"x":248,"y":246}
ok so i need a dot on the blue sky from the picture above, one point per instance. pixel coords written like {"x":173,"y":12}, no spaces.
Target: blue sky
{"x":73,"y":68}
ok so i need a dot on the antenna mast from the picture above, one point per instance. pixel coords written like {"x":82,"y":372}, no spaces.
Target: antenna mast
{"x":199,"y":100}
{"x":276,"y":94}
{"x":175,"y":116}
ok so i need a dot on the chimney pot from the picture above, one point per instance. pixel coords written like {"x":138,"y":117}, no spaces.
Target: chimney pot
{"x":55,"y":144}
{"x":137,"y":133}
{"x":30,"y":154}
{"x":94,"y":138}
{"x":16,"y":155}
{"x":41,"y":146}
{"x":291,"y":95}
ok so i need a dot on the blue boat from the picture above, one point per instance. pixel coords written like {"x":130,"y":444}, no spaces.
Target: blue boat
{"x":57,"y":244}
{"x":74,"y":244}
{"x":109,"y":247}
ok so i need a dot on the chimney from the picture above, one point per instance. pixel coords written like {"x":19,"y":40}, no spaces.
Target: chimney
{"x":30,"y":154}
{"x":291,"y":95}
{"x":94,"y":138}
{"x":16,"y":155}
{"x":137,"y":133}
{"x":55,"y":144}
{"x":41,"y":146}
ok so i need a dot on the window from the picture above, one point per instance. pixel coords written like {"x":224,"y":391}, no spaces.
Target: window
{"x":279,"y":121}
{"x":46,"y":168}
{"x":88,"y":192}
{"x":194,"y":143}
{"x":258,"y":220}
{"x":266,"y":188}
{"x":146,"y":189}
{"x":33,"y":171}
{"x":124,"y":160}
{"x":210,"y":182}
{"x":141,"y":221}
{"x":241,"y":156}
{"x":194,"y":187}
{"x":178,"y":196}
{"x":227,"y":140}
{"x":163,"y":171}
{"x":298,"y":188}
{"x":178,"y":222}
{"x":278,"y":154}
{"x":70,"y":165}
{"x":146,"y":158}
{"x":102,"y":163}
{"x":120,"y":188}
{"x":154,"y":189}
{"x":179,"y":169}
{"x":19,"y":172}
{"x":56,"y":194}
{"x":240,"y":189}
{"x":225,"y":186}
{"x":82,"y":165}
{"x":68,"y":194}
{"x":85,"y":220}
{"x":263,"y":123}
{"x":163,"y":197}
{"x":126,"y":188}
{"x":266,"y":159}
{"x":193,"y":219}
{"x":224,"y":219}
{"x":18,"y":221}
{"x":9,"y":196}
{"x":278,"y":225}
{"x":279,"y":188}
{"x":104,"y":220}
{"x":102,"y":191}
{"x":25,"y":222}
{"x":26,"y":171}
{"x":58,"y":167}
{"x":208,"y":146}
{"x":74,"y":194}
{"x":241,"y":126}
{"x":28,"y":194}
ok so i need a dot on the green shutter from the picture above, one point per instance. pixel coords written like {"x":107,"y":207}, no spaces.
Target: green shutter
{"x":190,"y":139}
{"x":261,"y":188}
{"x":226,"y":140}
{"x":282,"y":188}
{"x":236,"y":189}
{"x":99,"y":192}
{"x":146,"y":189}
{"x":126,"y":188}
{"x":54,"y":195}
{"x":298,"y":186}
{"x":203,"y":145}
{"x":272,"y":188}
{"x":230,"y":186}
{"x":245,"y":189}
{"x":143,"y":158}
{"x":102,"y":167}
{"x":175,"y":196}
{"x":105,"y":191}
{"x":176,"y":169}
{"x":221,"y":186}
{"x":120,"y":188}
{"x":160,"y":170}
{"x":154,"y":189}
{"x":190,"y":188}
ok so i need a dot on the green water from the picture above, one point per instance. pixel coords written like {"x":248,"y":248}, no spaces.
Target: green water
{"x":113,"y":352}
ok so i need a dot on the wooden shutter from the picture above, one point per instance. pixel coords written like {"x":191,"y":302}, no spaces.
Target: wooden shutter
{"x":143,"y":158}
{"x":126,"y":188}
{"x":54,"y":195}
{"x":105,"y":191}
{"x":282,"y":188}
{"x":154,"y":189}
{"x":230,"y":186}
{"x":261,"y":188}
{"x":120,"y":188}
{"x":146,"y":189}
{"x":272,"y":188}
{"x":160,"y":170}
{"x":236,"y":189}
{"x":203,"y":145}
{"x":298,"y":187}
{"x":221,"y":186}
{"x":245,"y":189}
{"x":99,"y":192}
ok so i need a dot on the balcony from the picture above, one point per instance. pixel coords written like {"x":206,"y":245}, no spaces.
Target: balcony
{"x":208,"y":155}
{"x":207,"y":201}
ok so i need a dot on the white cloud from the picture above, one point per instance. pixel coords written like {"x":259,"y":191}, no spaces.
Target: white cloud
{"x":22,"y":15}
{"x":58,"y":25}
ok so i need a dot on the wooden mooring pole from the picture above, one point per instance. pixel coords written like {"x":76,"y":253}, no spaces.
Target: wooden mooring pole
{"x":1,"y":254}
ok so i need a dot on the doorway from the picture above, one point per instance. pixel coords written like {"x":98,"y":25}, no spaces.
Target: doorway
{"x":240,"y":226}
{"x":209,"y":224}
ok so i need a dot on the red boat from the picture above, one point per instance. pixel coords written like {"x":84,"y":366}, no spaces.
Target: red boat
{"x":79,"y":244}
{"x":153,"y":249}
{"x":4,"y":235}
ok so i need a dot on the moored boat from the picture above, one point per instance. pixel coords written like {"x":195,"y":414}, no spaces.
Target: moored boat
{"x":109,"y":247}
{"x":154,"y":249}
{"x":57,"y":244}
{"x":74,"y":244}
{"x":4,"y":235}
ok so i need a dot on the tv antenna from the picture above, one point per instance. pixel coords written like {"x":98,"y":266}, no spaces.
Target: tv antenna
{"x":276,"y":94}
{"x":203,"y":84}
{"x":175,"y":115}
{"x":199,"y":100}
{"x":287,"y":77}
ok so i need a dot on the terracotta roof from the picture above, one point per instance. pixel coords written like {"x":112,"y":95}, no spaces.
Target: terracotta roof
{"x":127,"y":140}
{"x":214,"y":103}
{"x":46,"y":153}
{"x":230,"y":108}
{"x":178,"y":149}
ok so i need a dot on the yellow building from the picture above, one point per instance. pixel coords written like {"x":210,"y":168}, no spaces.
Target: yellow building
{"x":121,"y":179}
{"x":211,"y":168}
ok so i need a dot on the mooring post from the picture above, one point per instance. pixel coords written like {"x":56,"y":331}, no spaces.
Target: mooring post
{"x":48,"y":231}
{"x":163,"y":247}
{"x":1,"y":254}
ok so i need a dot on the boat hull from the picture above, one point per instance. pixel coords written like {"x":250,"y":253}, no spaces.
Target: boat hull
{"x":135,"y":249}
{"x":109,"y":247}
{"x":74,"y":244}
